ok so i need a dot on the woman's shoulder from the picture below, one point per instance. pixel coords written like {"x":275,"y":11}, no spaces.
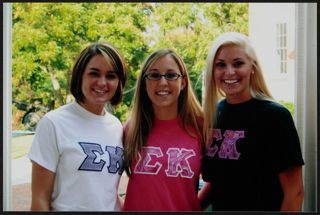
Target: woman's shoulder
{"x":58,"y":111}
{"x":222,"y":103}
{"x":269,"y":104}
{"x":112,"y":119}
{"x":271,"y":107}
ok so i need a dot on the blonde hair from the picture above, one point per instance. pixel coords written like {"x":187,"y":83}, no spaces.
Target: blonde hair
{"x":258,"y":87}
{"x":142,"y":115}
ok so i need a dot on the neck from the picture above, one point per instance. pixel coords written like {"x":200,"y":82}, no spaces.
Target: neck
{"x":96,"y":109}
{"x":235,"y":99}
{"x":165,"y":114}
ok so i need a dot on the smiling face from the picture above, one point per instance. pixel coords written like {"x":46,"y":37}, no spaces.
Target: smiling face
{"x":164,"y":93}
{"x":232,"y":70}
{"x":99,"y":84}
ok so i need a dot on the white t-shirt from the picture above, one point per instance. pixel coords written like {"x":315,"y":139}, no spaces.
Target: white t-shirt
{"x":85,"y":152}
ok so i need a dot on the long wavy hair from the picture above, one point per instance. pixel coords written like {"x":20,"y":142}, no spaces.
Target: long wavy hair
{"x":258,"y":87}
{"x":141,"y":117}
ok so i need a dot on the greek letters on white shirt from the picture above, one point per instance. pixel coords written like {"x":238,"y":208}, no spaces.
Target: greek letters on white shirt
{"x":90,"y":163}
{"x":178,"y":164}
{"x":228,"y":148}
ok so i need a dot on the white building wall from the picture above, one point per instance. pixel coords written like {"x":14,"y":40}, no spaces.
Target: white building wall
{"x":263,"y":20}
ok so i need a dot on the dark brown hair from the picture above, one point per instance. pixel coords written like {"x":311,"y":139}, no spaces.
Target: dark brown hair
{"x":116,"y":61}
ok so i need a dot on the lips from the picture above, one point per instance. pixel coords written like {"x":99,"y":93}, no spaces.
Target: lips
{"x":231,"y":81}
{"x":99,"y":91}
{"x":162,"y":93}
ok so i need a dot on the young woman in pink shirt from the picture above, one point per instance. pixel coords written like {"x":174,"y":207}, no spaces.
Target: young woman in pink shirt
{"x":163,"y":138}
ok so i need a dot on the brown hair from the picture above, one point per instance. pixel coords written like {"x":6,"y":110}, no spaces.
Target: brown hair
{"x":112,"y":56}
{"x":142,"y":115}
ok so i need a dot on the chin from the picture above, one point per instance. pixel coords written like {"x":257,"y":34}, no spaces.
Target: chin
{"x":101,"y":102}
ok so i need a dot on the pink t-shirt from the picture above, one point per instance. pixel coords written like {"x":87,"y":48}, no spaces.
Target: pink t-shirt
{"x":165,"y":177}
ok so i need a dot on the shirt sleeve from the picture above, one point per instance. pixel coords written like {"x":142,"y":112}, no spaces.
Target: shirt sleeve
{"x":286,"y":149}
{"x":44,"y":150}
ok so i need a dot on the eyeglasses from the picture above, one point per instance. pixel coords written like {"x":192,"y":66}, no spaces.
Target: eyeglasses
{"x":156,"y":76}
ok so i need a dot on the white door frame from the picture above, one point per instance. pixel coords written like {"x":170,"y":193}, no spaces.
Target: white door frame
{"x":306,"y":98}
{"x":7,"y":100}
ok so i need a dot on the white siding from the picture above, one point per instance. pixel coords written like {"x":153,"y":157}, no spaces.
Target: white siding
{"x":263,"y":20}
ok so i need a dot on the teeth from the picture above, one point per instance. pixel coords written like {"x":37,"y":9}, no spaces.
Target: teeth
{"x":163,"y":93}
{"x":230,"y":81}
{"x":100,"y":91}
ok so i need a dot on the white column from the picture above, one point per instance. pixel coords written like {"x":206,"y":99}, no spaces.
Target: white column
{"x":7,"y":98}
{"x":306,"y":97}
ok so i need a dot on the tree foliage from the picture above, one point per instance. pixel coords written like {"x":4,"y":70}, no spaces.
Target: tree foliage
{"x":47,"y":37}
{"x":190,"y":28}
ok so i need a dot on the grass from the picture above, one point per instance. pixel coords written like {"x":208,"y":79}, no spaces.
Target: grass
{"x":20,"y":151}
{"x":21,"y":146}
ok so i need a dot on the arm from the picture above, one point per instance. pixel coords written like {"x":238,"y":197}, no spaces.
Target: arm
{"x":292,"y":186}
{"x":204,"y":194}
{"x":41,"y":187}
{"x":121,"y":201}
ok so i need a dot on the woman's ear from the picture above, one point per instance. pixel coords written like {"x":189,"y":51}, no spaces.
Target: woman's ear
{"x":183,"y":82}
{"x":253,"y":70}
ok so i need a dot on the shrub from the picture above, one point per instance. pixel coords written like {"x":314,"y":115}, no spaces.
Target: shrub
{"x":289,"y":106}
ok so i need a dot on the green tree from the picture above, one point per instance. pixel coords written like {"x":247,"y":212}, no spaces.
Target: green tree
{"x":190,"y":28}
{"x":47,"y":37}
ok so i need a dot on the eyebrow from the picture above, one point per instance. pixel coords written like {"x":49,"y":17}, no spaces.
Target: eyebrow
{"x":236,"y":59}
{"x":219,"y":60}
{"x":98,"y":70}
{"x":93,"y":68}
{"x":156,"y":70}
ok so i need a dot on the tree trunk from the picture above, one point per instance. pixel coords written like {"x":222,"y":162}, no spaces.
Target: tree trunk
{"x":56,"y":88}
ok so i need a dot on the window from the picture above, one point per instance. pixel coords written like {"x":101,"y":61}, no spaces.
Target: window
{"x":282,"y":46}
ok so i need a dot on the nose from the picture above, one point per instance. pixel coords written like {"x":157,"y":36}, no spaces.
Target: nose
{"x":230,"y":70}
{"x":102,"y":81}
{"x":163,"y":80}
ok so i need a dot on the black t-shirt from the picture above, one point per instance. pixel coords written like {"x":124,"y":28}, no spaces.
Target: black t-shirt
{"x":252,"y":143}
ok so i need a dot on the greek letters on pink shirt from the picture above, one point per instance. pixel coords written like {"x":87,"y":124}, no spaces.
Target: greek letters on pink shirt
{"x":165,"y":174}
{"x":178,"y":164}
{"x":228,"y":147}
